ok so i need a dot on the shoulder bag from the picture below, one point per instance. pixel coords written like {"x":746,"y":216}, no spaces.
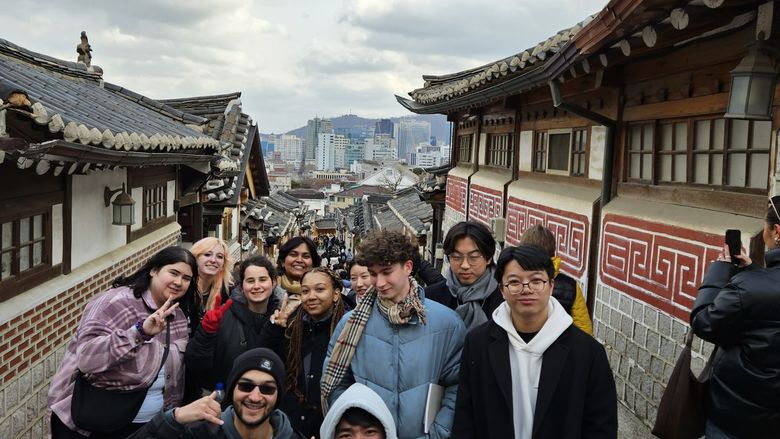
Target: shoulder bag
{"x":681,"y":412}
{"x":99,"y":410}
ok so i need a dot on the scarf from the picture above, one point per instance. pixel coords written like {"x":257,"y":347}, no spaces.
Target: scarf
{"x":471,"y":297}
{"x":349,"y":337}
{"x":292,"y":287}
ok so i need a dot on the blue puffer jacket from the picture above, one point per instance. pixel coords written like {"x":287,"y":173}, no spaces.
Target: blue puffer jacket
{"x":399,"y":362}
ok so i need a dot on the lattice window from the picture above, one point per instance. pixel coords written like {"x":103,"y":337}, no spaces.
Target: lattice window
{"x":540,"y":151}
{"x":155,"y":203}
{"x":25,"y":245}
{"x":464,"y":148}
{"x":499,"y":150}
{"x":579,"y":149}
{"x":640,"y":151}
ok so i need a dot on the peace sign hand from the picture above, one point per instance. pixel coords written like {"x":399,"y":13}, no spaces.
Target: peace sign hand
{"x":281,"y":315}
{"x":156,"y":322}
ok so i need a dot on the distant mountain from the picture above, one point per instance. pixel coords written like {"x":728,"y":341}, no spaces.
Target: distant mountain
{"x":440,"y":128}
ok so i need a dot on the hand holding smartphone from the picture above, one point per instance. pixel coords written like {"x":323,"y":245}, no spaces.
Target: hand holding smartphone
{"x":734,"y":242}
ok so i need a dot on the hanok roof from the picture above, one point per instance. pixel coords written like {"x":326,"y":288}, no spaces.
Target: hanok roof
{"x":359,"y":191}
{"x":385,"y":219}
{"x":73,"y":103}
{"x":306,"y":194}
{"x":229,"y":124}
{"x":325,"y":223}
{"x":600,"y":40}
{"x":411,"y":211}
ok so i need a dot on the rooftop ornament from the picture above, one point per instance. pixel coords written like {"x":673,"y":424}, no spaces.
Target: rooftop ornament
{"x":84,"y":50}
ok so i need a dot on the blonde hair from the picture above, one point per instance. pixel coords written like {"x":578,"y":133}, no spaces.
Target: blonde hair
{"x":222,"y":278}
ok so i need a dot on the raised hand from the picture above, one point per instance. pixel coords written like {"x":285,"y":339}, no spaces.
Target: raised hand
{"x":281,"y":315}
{"x":744,"y":259}
{"x":156,"y":322}
{"x":212,"y":319}
{"x":206,"y":408}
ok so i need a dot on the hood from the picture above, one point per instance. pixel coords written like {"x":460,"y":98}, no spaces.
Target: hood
{"x":558,"y":320}
{"x":360,"y":396}
{"x":557,"y":265}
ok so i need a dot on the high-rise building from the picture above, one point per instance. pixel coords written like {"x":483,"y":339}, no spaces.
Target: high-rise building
{"x":354,"y":152}
{"x":290,"y":148}
{"x":339,"y":151}
{"x":380,"y":148}
{"x":384,"y":126}
{"x":411,"y":132}
{"x":325,"y":152}
{"x":313,"y":129}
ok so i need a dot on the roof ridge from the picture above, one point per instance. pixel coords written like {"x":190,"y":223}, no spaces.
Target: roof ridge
{"x":71,"y":68}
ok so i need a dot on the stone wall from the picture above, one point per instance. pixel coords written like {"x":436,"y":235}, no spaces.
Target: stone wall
{"x":34,"y":341}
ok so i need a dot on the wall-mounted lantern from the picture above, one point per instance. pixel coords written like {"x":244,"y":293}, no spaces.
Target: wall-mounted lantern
{"x":124,"y":206}
{"x":752,"y":87}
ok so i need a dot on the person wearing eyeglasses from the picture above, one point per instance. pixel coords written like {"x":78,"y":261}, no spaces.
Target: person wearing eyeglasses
{"x":254,"y":389}
{"x":738,"y":309}
{"x":470,"y":287}
{"x":530,"y":373}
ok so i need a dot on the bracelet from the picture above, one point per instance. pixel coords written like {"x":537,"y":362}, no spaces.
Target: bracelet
{"x":139,"y":326}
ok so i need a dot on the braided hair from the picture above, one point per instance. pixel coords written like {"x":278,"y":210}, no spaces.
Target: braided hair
{"x":294,"y":332}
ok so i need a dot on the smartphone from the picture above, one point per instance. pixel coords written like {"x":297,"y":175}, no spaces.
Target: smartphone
{"x":734,"y":241}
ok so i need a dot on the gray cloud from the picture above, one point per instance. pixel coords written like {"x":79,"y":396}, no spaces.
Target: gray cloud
{"x":291,"y":60}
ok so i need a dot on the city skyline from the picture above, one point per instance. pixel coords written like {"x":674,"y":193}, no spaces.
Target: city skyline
{"x":290,"y":62}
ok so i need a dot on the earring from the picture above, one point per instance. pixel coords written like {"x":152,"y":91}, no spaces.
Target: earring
{"x":777,"y":241}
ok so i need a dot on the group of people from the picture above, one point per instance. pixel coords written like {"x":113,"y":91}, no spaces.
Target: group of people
{"x":488,"y":349}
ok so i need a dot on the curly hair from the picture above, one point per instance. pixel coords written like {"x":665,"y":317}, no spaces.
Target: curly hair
{"x":295,"y":330}
{"x":386,"y":248}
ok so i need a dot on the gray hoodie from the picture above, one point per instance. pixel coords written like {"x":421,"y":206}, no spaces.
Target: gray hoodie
{"x":360,"y":396}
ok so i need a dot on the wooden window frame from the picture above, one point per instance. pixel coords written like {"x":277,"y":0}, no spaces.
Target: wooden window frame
{"x":20,"y":281}
{"x":539,"y":152}
{"x":499,"y":150}
{"x":656,"y":153}
{"x":465,"y":151}
{"x":583,"y":135}
{"x":152,"y":201}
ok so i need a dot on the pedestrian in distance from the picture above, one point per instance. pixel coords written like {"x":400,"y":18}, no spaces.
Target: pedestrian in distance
{"x":397,"y":342}
{"x":130,"y":338}
{"x":470,"y":288}
{"x":738,"y":309}
{"x":567,"y":291}
{"x":254,"y":388}
{"x":235,"y":327}
{"x":530,"y":373}
{"x":301,"y":338}
{"x":359,"y":413}
{"x":297,"y":256}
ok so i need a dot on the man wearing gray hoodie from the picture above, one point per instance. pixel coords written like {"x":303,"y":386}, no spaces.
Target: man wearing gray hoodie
{"x":359,"y":413}
{"x":530,"y":373}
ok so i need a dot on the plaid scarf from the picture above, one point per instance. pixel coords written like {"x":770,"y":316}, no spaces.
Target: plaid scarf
{"x":348,"y":339}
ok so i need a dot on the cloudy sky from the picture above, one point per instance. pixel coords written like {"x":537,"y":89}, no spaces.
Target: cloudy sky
{"x":292,"y":59}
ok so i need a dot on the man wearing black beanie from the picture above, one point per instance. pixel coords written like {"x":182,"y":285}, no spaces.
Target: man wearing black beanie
{"x":254,"y":388}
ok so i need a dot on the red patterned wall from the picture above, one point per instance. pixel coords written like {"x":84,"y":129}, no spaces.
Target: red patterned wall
{"x":659,"y":264}
{"x":485,"y":204}
{"x":571,"y":231}
{"x":456,"y":193}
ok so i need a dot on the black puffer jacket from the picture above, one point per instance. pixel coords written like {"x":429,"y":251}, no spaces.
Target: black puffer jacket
{"x":741,"y":314}
{"x":212,"y":355}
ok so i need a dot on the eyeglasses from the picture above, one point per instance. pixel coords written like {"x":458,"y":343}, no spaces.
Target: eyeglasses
{"x":265,"y":389}
{"x":535,"y":286}
{"x":473,"y":258}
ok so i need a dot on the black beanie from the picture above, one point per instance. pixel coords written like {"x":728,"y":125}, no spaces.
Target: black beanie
{"x":256,"y":359}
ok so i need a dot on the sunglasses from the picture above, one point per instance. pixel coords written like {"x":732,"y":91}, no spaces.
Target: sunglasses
{"x":265,"y":389}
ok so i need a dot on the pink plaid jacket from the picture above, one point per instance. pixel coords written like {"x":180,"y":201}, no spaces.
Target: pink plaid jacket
{"x":108,"y":349}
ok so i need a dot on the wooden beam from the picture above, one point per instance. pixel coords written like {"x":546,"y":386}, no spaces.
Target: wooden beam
{"x":709,"y":104}
{"x":625,"y":47}
{"x":679,"y":18}
{"x":713,"y":3}
{"x":649,"y":36}
{"x":764,"y":21}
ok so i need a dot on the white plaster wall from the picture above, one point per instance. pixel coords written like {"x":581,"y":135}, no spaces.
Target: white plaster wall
{"x":482,"y":148}
{"x":138,"y":212}
{"x":93,"y":233}
{"x":526,"y":150}
{"x":171,"y":193}
{"x":492,"y":179}
{"x":56,"y":230}
{"x":234,"y":219}
{"x":598,"y":143}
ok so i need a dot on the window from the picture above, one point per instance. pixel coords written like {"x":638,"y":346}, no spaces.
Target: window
{"x":562,"y":152}
{"x":578,"y":153}
{"x":155,"y":203}
{"x":464,"y":148}
{"x":730,"y":153}
{"x":540,"y":151}
{"x":25,"y":246}
{"x":499,"y":150}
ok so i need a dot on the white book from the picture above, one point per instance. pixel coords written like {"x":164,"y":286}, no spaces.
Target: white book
{"x":432,"y":405}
